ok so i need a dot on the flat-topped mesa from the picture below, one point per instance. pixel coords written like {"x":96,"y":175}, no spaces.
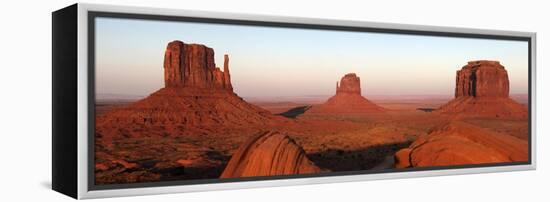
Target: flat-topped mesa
{"x":482,"y":78}
{"x":482,"y":90}
{"x":192,"y":65}
{"x":350,"y":83}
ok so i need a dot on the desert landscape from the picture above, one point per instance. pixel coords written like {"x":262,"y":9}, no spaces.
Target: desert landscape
{"x":198,"y":127}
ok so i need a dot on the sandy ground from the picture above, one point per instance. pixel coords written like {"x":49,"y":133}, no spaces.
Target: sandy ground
{"x":344,"y":142}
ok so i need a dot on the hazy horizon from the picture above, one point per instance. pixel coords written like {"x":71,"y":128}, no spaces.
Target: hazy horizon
{"x":271,"y":62}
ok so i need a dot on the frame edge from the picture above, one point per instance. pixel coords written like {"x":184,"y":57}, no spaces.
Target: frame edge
{"x":64,"y":120}
{"x":85,"y":193}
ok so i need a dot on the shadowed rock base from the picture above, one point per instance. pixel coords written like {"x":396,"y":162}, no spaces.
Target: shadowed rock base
{"x":189,"y":106}
{"x":269,"y":154}
{"x":346,"y":103}
{"x":493,"y":107}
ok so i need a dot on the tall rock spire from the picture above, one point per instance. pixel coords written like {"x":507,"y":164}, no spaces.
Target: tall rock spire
{"x":226,"y":76}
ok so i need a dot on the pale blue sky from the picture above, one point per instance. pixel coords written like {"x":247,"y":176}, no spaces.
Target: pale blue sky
{"x":269,"y":61}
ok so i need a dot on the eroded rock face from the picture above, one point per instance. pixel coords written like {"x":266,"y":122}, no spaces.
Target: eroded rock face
{"x":482,"y":78}
{"x":348,"y":99}
{"x":350,"y":83}
{"x":482,"y":89}
{"x":192,"y":65}
{"x":460,"y":143}
{"x":269,"y":154}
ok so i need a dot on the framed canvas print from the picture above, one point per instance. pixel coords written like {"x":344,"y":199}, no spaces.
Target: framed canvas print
{"x":150,"y":101}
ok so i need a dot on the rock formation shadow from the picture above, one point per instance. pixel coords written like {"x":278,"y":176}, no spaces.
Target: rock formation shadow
{"x":151,"y":170}
{"x":190,"y":173}
{"x":354,"y":160}
{"x":426,"y":109}
{"x":295,"y":112}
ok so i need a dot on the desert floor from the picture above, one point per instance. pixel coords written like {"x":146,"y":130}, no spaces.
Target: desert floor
{"x":335,"y":142}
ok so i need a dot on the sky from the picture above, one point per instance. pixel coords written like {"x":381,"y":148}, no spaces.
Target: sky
{"x":276,"y":61}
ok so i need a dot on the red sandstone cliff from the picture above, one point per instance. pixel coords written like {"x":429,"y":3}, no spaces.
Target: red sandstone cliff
{"x":192,"y":65}
{"x":482,"y":79}
{"x":349,"y":84}
{"x":482,"y":89}
{"x":348,"y":99}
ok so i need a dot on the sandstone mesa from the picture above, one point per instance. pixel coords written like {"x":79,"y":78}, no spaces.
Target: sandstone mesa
{"x":482,"y":89}
{"x":196,"y":94}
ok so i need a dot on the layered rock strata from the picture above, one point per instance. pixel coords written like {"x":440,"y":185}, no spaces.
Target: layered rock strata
{"x":461,"y":143}
{"x":269,"y":154}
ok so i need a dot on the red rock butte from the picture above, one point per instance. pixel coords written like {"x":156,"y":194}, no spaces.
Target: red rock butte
{"x":196,"y":94}
{"x":192,"y":65}
{"x":350,"y":83}
{"x":348,"y":99}
{"x":482,"y":89}
{"x":269,"y":154}
{"x":482,"y":78}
